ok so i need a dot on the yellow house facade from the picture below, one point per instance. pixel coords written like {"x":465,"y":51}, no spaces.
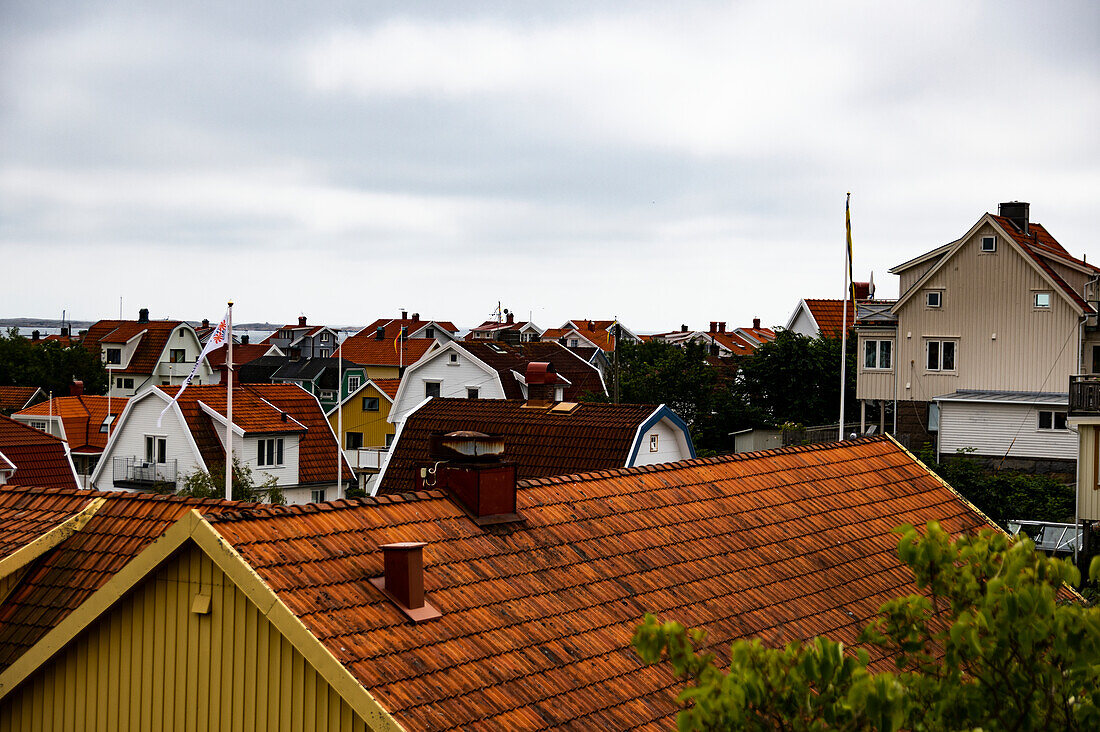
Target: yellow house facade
{"x":363,"y":416}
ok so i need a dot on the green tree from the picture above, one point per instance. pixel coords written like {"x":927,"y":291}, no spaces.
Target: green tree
{"x":201,"y":484}
{"x":992,"y":645}
{"x":49,"y":365}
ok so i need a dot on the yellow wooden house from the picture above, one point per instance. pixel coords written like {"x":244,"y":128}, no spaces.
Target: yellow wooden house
{"x":363,"y":416}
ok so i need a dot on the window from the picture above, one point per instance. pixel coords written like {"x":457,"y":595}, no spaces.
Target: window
{"x":429,"y":333}
{"x":269,"y":451}
{"x":933,"y":299}
{"x":1050,"y":420}
{"x":107,"y":421}
{"x":353,"y":383}
{"x":124,"y":383}
{"x":471,"y":393}
{"x":454,"y":358}
{"x":431,"y":388}
{"x":989,"y":243}
{"x":284,"y":335}
{"x":328,"y":394}
{"x":177,"y":355}
{"x":1042,"y":300}
{"x":353,"y":440}
{"x":181,"y":332}
{"x":114,"y":355}
{"x":155,"y":449}
{"x":40,"y":426}
{"x":941,"y":355}
{"x":317,"y":495}
{"x":877,"y":354}
{"x":389,"y":440}
{"x":573,"y":342}
{"x":324,"y":338}
{"x":324,"y":353}
{"x":653,"y":443}
{"x":370,"y":404}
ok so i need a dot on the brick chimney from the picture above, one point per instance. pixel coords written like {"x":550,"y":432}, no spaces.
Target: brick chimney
{"x":404,"y":314}
{"x":416,"y":317}
{"x":542,"y":382}
{"x":244,"y":340}
{"x":403,"y":579}
{"x":76,"y":388}
{"x":510,"y":318}
{"x":206,"y":322}
{"x":1018,"y":213}
{"x":301,"y":320}
{"x":143,"y":315}
{"x":471,"y":469}
{"x":722,"y":327}
{"x":683,"y":328}
{"x":35,"y":335}
{"x":713,"y":326}
{"x":756,"y":323}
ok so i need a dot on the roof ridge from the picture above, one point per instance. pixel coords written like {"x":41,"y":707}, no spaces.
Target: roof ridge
{"x":263,"y":511}
{"x":717,"y":459}
{"x":123,"y":495}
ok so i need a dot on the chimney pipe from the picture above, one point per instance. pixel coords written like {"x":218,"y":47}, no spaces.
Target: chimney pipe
{"x":301,"y":320}
{"x":65,"y":331}
{"x":403,"y":579}
{"x":713,"y":326}
{"x":35,"y":335}
{"x":683,"y":328}
{"x":206,"y":322}
{"x":143,"y":315}
{"x":244,"y":340}
{"x":541,"y":381}
{"x":76,"y":388}
{"x":416,"y":317}
{"x":404,"y":314}
{"x":1018,"y":212}
{"x":756,"y":323}
{"x":511,"y":318}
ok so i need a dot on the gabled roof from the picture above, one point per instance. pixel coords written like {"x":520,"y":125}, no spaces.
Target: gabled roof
{"x":258,"y":408}
{"x":14,"y":398}
{"x":386,"y":386}
{"x":40,"y":459}
{"x":537,"y":617}
{"x":154,"y":334}
{"x":365,"y":349}
{"x":758,"y":335}
{"x":81,"y":416}
{"x":324,"y":372}
{"x":393,"y":326}
{"x":829,"y":314}
{"x":242,"y":353}
{"x":557,"y":334}
{"x":493,"y":326}
{"x":66,"y":576}
{"x":542,"y":441}
{"x":506,"y":358}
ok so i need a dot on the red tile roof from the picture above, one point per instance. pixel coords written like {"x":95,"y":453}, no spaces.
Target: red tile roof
{"x":735,"y":343}
{"x":13,"y":398}
{"x":82,"y":417}
{"x":40,"y":460}
{"x":66,"y":576}
{"x":28,"y":513}
{"x":149,"y":349}
{"x":829,"y":315}
{"x":506,"y":358}
{"x":366,"y":350}
{"x":387,"y":386}
{"x":1041,"y":246}
{"x":541,"y":441}
{"x":761,"y":334}
{"x":258,"y":408}
{"x":537,"y":617}
{"x":393,"y":326}
{"x":242,"y":354}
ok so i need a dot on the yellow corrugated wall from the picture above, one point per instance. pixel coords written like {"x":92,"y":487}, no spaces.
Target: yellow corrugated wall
{"x":153,"y":664}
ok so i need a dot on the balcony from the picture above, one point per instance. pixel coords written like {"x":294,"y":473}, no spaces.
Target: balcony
{"x":876,"y":312}
{"x":366,"y":458}
{"x":1084,"y":395}
{"x":132,"y":472}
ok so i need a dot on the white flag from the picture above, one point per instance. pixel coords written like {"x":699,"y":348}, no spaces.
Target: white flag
{"x":217,"y":339}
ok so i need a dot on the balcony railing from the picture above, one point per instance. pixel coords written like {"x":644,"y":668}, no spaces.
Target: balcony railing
{"x":876,"y":312}
{"x":1084,"y":395}
{"x":366,"y":458}
{"x":142,"y":473}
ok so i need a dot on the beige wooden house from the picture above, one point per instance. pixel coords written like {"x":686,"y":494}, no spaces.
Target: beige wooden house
{"x":976,"y":352}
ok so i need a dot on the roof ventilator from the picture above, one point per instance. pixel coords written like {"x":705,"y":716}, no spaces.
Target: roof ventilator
{"x":470,"y":468}
{"x":403,"y":580}
{"x":542,"y":382}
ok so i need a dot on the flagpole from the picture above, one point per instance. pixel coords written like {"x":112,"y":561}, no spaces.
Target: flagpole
{"x":339,"y":418}
{"x":229,"y":404}
{"x":844,"y":317}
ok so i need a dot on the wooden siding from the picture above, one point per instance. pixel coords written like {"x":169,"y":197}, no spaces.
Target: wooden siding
{"x":129,"y":440}
{"x":909,"y":277}
{"x":153,"y":664}
{"x":986,"y":294}
{"x":454,"y":379}
{"x":671,"y":445}
{"x":991,"y":428}
{"x":373,"y":425}
{"x":1088,"y":481}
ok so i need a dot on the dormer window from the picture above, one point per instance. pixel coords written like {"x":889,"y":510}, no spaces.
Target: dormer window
{"x":429,"y":333}
{"x":114,"y":355}
{"x":933,"y":299}
{"x":989,"y":243}
{"x":1042,"y":300}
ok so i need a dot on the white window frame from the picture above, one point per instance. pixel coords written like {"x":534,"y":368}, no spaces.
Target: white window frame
{"x":270,"y":453}
{"x":41,"y":426}
{"x":1042,"y":293}
{"x":877,"y":344}
{"x":438,"y":386}
{"x":317,"y":495}
{"x":354,"y":382}
{"x":936,"y":295}
{"x":1052,"y":416}
{"x":473,"y":392}
{"x":939,"y":368}
{"x":991,"y":241}
{"x":156,"y":449}
{"x":654,"y":442}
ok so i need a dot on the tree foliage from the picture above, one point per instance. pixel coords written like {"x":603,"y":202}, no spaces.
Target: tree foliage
{"x":990,"y":645}
{"x":49,"y":365}
{"x":201,"y":484}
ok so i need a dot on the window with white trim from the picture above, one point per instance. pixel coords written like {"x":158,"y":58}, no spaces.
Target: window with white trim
{"x":317,"y":495}
{"x":653,"y":442}
{"x":40,"y":426}
{"x":472,"y":392}
{"x":269,"y":452}
{"x":429,"y":332}
{"x":156,"y":449}
{"x":1052,"y":420}
{"x":431,"y":388}
{"x":989,"y":244}
{"x":177,"y":355}
{"x":114,"y":355}
{"x":1041,"y":300}
{"x":940,"y":355}
{"x":353,"y":383}
{"x":878,"y":354}
{"x":933,"y":298}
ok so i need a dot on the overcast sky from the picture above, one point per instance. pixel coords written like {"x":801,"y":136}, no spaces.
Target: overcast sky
{"x":666,"y":162}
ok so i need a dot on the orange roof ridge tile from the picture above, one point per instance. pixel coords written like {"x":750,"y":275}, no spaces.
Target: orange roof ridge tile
{"x":262,"y":510}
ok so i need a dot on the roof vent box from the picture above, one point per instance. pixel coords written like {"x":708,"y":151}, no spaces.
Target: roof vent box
{"x":487,"y":493}
{"x":1018,"y":212}
{"x":403,"y":579}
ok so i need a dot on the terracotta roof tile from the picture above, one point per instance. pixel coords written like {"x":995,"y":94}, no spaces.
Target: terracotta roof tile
{"x":13,"y":398}
{"x":242,"y":354}
{"x":505,"y":358}
{"x":1040,"y":245}
{"x":540,"y":441}
{"x":829,"y":314}
{"x":82,"y":417}
{"x":387,"y":386}
{"x":366,"y":350}
{"x":28,"y":513}
{"x":66,"y":576}
{"x":156,"y":334}
{"x":40,"y":459}
{"x":537,"y":617}
{"x":393,"y":326}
